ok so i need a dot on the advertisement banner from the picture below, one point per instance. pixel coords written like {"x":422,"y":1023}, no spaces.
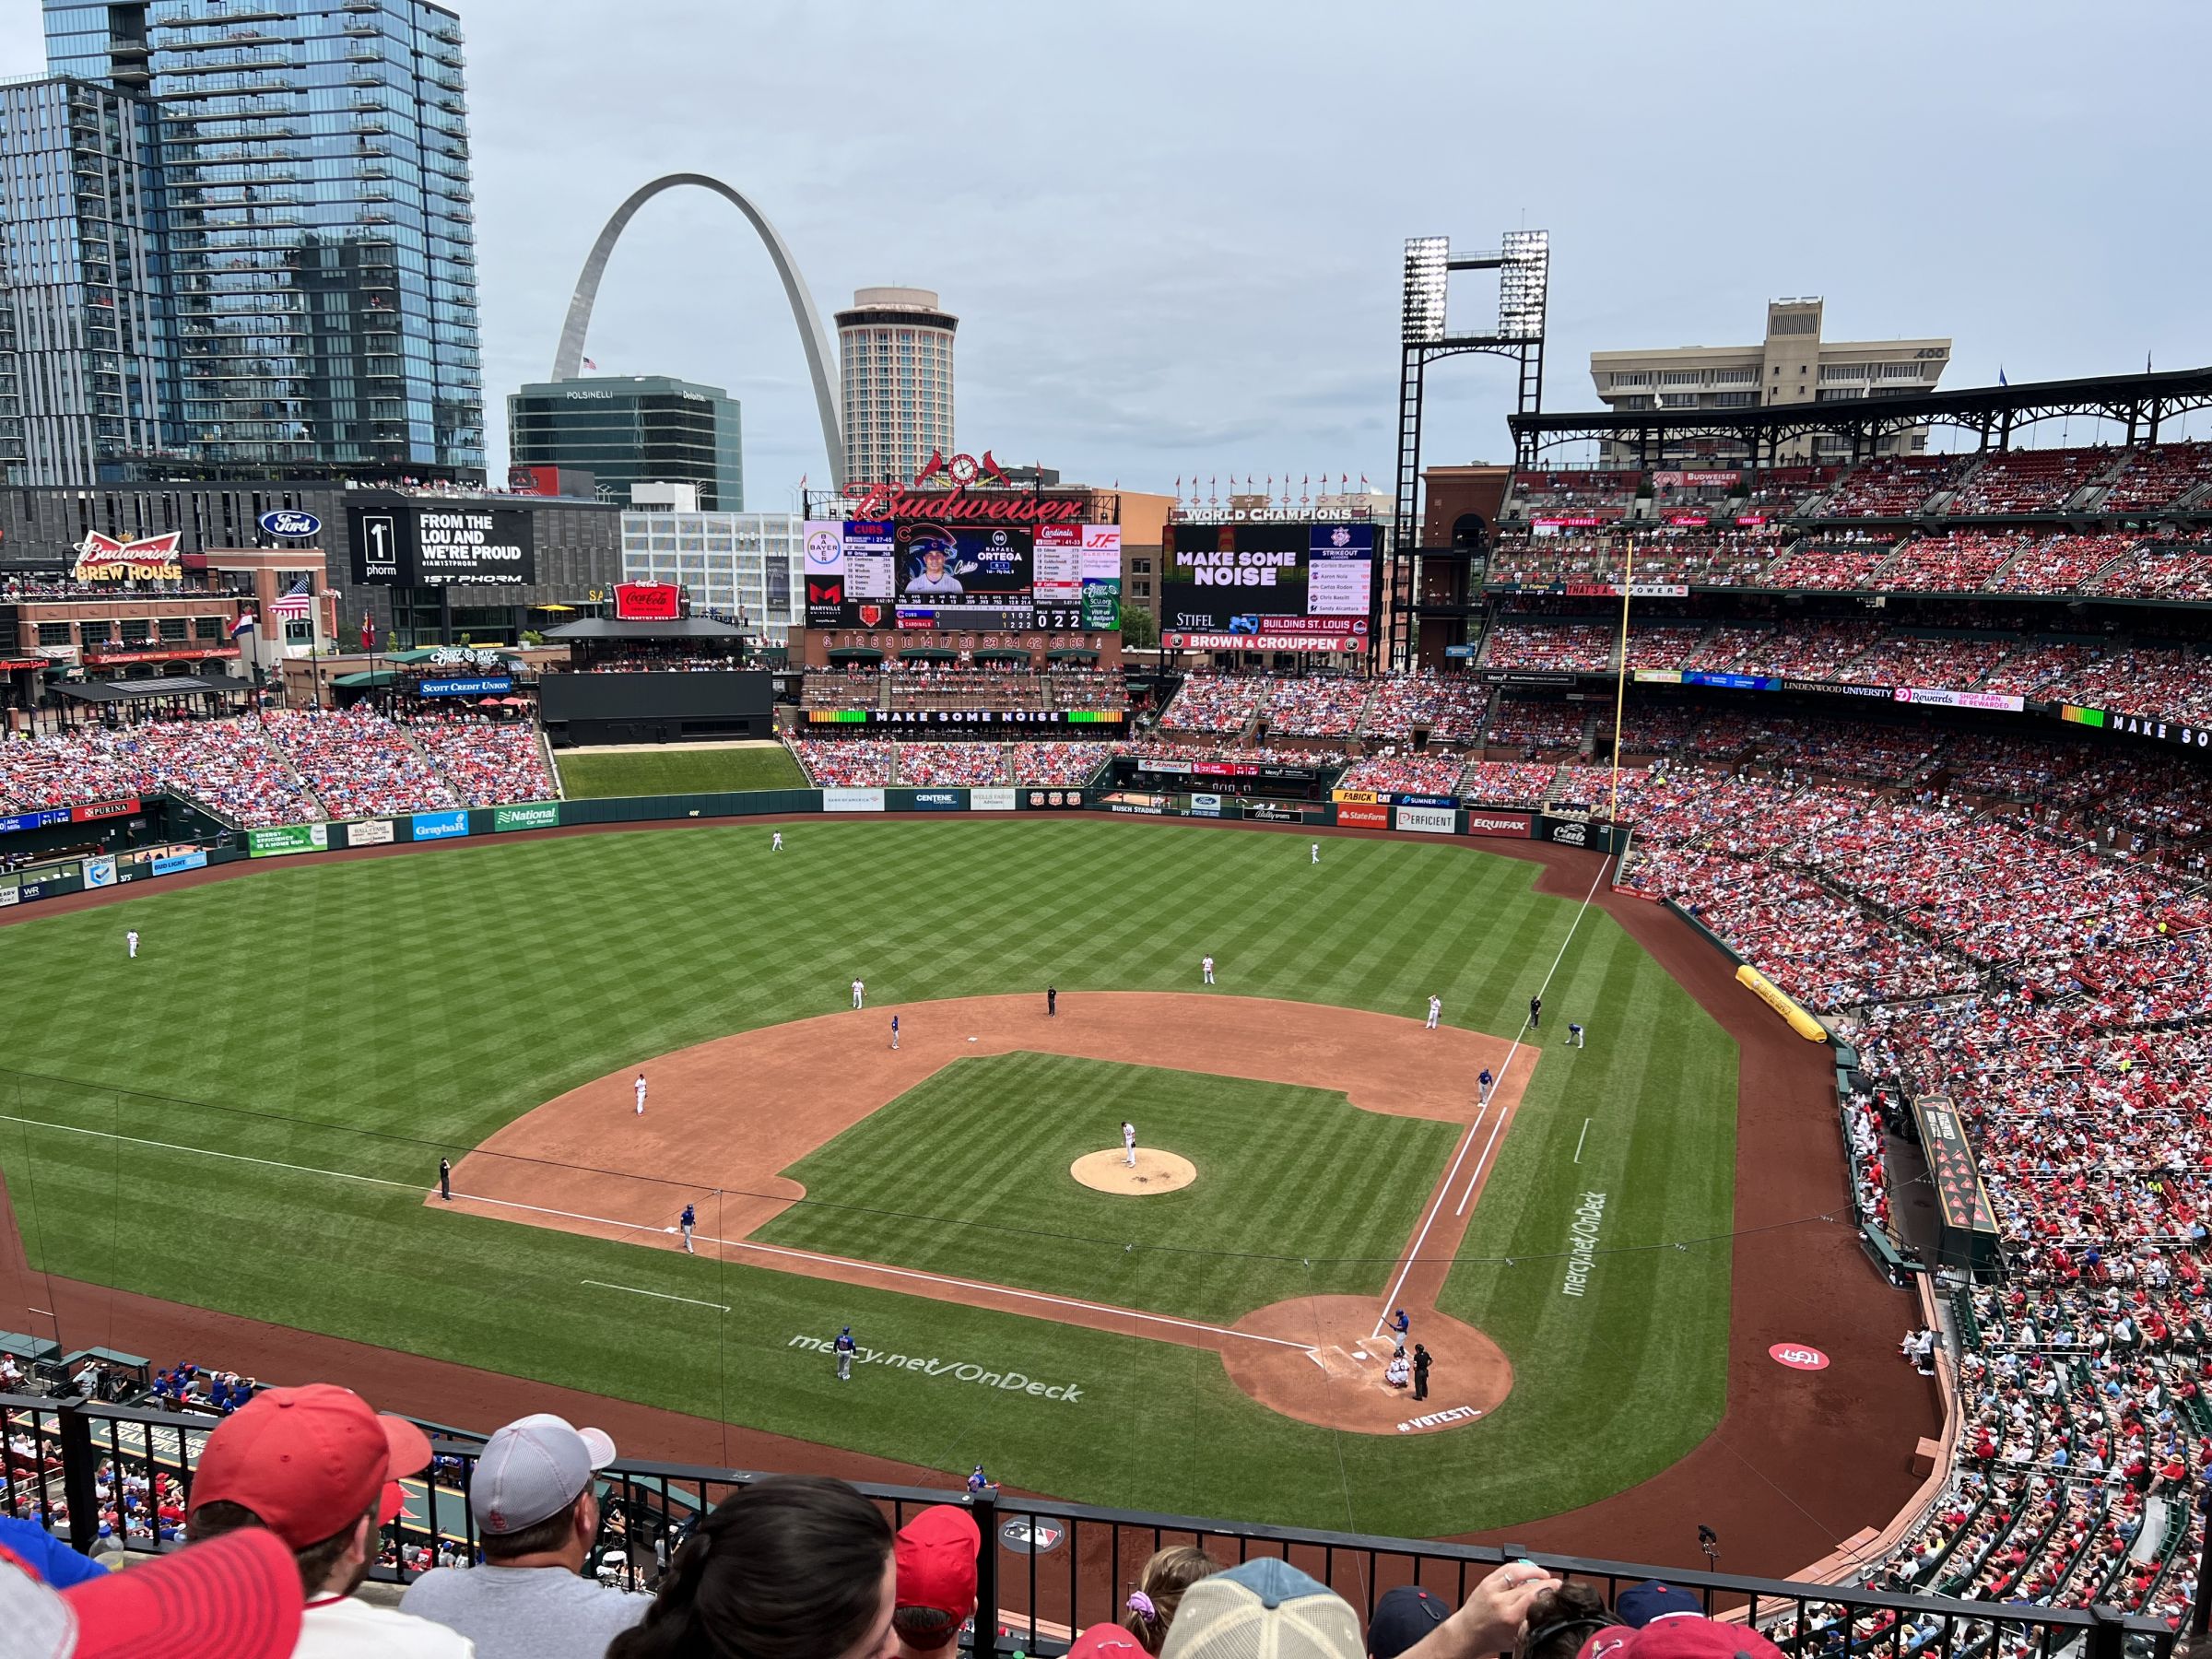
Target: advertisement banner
{"x":369,"y":832}
{"x":1735,"y":682}
{"x":94,"y":811}
{"x":1205,"y":806}
{"x":2148,"y":725}
{"x":939,"y":800}
{"x":438,"y":826}
{"x":852,"y":800}
{"x":34,"y":820}
{"x":648,"y":602}
{"x":1513,"y":824}
{"x":537,"y":815}
{"x":176,"y":863}
{"x":1365,"y":797}
{"x":1424,"y":820}
{"x":1273,"y":812}
{"x":1657,"y":677}
{"x":1267,"y":586}
{"x":1568,"y":832}
{"x":1401,"y":799}
{"x":992,"y":800}
{"x":490,"y":685}
{"x":99,"y":872}
{"x":1998,"y":702}
{"x":1362,"y":815}
{"x":288,"y":838}
{"x":1832,"y":689}
{"x":424,"y":543}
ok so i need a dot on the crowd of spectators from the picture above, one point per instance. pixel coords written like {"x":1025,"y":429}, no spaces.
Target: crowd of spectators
{"x":1961,"y":563}
{"x":843,"y":762}
{"x":1532,"y":725}
{"x":1392,"y":773}
{"x":1507,"y":783}
{"x":949,"y":765}
{"x":1317,"y":706}
{"x":1545,"y":646}
{"x":1061,"y":765}
{"x":1450,"y":707}
{"x":672,"y":659}
{"x":2158,"y":475}
{"x":358,"y":763}
{"x":2157,"y":567}
{"x":2057,"y":564}
{"x":1833,"y":562}
{"x":1575,"y":492}
{"x":491,"y":763}
{"x":2027,"y":480}
{"x":1221,"y":704}
{"x":1885,"y":487}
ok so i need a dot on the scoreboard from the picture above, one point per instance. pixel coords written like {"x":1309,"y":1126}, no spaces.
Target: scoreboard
{"x":923,"y":575}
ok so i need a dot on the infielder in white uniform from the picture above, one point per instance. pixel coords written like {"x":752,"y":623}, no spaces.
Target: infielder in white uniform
{"x":775,"y":841}
{"x":131,"y":939}
{"x":1436,"y":1011}
{"x":860,"y":993}
{"x":641,"y":1087}
{"x":1205,"y":966}
{"x":1129,"y":1144}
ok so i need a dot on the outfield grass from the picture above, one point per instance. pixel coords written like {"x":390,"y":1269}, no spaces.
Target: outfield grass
{"x":586,"y":774}
{"x":360,"y":1019}
{"x":1287,"y":1177}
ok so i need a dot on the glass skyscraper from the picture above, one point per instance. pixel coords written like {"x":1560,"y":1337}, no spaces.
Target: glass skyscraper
{"x":318,"y":238}
{"x":638,"y":428}
{"x":88,"y":347}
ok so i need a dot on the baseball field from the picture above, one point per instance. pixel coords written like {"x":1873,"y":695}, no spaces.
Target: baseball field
{"x":249,"y":1117}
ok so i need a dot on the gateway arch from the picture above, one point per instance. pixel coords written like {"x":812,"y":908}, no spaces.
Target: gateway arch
{"x":569,"y":359}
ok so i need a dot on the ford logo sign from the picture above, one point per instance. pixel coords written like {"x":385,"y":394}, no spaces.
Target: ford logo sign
{"x":285,"y":522}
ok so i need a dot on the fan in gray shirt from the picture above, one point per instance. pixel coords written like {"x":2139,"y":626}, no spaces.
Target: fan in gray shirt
{"x":531,"y":1496}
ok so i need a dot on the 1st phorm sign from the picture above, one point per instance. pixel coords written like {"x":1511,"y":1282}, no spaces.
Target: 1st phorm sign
{"x":950,"y":1370}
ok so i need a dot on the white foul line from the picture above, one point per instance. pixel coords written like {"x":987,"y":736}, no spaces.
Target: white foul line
{"x":1580,"y":1138}
{"x":797,"y":1255}
{"x":664,"y":1296}
{"x":1474,"y":1178}
{"x":1413,"y":1252}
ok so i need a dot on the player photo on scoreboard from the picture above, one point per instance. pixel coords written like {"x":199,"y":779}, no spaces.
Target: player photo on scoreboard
{"x":943,"y":564}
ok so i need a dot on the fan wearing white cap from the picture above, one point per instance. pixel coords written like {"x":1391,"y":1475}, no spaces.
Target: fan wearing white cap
{"x":537,"y":1517}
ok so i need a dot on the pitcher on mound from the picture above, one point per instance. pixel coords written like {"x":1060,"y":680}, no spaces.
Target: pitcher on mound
{"x":1129,"y":1144}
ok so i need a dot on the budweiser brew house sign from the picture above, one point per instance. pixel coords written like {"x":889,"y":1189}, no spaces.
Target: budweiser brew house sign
{"x":150,"y":559}
{"x":941,"y":491}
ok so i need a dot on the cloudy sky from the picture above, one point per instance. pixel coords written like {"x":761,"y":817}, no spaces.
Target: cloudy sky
{"x":1171,"y":231}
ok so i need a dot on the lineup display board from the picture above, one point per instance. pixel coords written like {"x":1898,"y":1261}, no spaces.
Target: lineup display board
{"x":410,"y":543}
{"x":922,"y":575}
{"x":1299,"y":586}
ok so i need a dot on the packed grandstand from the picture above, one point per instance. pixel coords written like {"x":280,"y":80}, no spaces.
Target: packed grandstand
{"x":2003,"y":911}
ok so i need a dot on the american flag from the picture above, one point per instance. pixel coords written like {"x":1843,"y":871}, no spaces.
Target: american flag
{"x":294,"y":605}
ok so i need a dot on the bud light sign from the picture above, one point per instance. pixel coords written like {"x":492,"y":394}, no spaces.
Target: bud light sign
{"x":289,"y":523}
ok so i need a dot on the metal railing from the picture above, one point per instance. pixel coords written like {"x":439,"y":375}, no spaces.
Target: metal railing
{"x":1048,"y":1567}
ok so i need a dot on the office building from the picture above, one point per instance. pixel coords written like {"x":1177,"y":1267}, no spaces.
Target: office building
{"x":745,"y":568}
{"x":626,"y":429}
{"x":86,"y":348}
{"x":1793,"y":364}
{"x":318,"y":241}
{"x":894,"y":352}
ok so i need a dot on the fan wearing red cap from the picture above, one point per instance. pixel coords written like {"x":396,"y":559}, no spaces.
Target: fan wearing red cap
{"x":935,"y":1556}
{"x":234,"y":1598}
{"x":320,"y":1470}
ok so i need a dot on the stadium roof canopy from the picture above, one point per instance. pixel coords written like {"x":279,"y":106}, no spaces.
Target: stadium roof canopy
{"x":2142,"y":402}
{"x":679,"y":628}
{"x":107,"y":691}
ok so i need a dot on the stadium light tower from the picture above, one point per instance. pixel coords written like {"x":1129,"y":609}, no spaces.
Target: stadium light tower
{"x":1522,"y":262}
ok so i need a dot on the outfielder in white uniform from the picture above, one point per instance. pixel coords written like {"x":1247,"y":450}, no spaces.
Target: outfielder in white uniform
{"x":860,"y":993}
{"x":1129,"y":1144}
{"x":1317,"y":852}
{"x":775,"y":841}
{"x":131,"y":940}
{"x":641,"y":1087}
{"x":1436,"y":1011}
{"x":1205,"y":966}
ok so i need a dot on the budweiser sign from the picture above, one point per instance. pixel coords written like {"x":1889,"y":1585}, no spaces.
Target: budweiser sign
{"x":152,"y":559}
{"x":941,"y":491}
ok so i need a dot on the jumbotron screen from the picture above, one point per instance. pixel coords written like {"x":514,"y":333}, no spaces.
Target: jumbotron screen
{"x":918,"y":575}
{"x":1299,"y":586}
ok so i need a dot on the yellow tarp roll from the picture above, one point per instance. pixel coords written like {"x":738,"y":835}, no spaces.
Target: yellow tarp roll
{"x":1760,"y":986}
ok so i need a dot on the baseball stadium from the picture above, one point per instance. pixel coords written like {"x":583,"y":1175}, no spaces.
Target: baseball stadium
{"x":1646,"y":1018}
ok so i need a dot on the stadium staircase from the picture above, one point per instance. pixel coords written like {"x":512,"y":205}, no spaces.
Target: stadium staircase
{"x":545,"y":756}
{"x":298,"y":777}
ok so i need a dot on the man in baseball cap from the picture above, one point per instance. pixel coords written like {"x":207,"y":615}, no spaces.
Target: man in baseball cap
{"x":1679,"y":1636}
{"x":320,"y":1470}
{"x":1106,"y":1642}
{"x":539,"y":1517}
{"x":934,"y":1557}
{"x":1402,"y":1618}
{"x":1265,"y":1609}
{"x":234,"y":1598}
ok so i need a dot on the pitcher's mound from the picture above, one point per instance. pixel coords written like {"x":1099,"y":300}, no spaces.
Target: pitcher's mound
{"x":1108,"y":1171}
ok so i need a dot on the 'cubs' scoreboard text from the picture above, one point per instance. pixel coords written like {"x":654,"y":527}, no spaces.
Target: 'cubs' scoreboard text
{"x":913,"y":574}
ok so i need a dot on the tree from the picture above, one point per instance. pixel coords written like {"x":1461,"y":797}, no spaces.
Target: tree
{"x":1140,"y":630}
